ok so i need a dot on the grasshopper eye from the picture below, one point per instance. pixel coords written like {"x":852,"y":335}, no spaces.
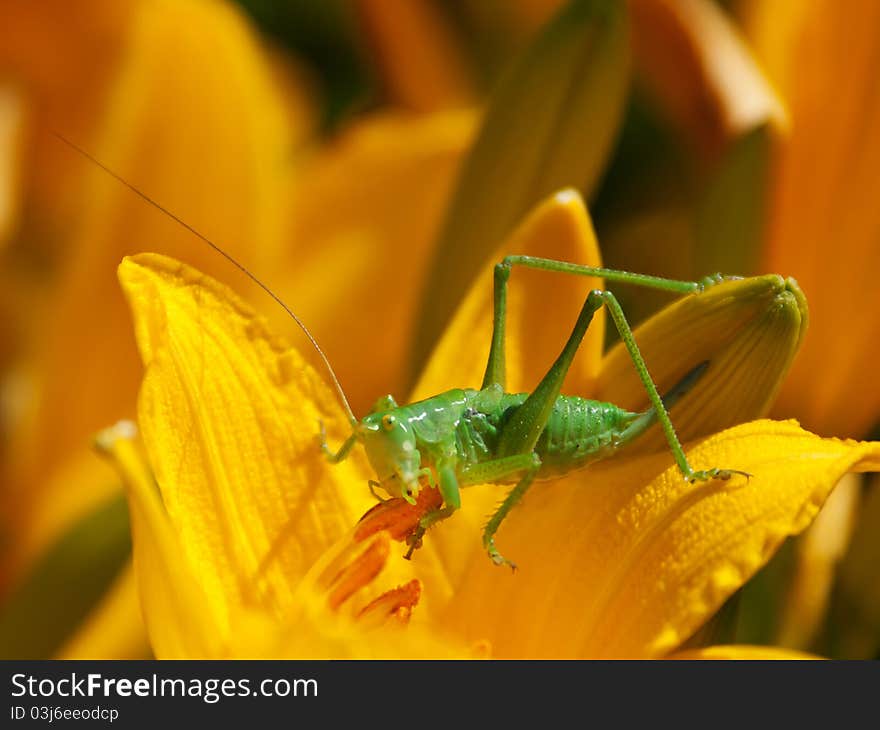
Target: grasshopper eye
{"x":388,"y":422}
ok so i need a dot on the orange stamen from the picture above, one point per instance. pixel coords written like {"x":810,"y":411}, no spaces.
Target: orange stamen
{"x":397,"y":603}
{"x":397,"y":516}
{"x":360,"y":571}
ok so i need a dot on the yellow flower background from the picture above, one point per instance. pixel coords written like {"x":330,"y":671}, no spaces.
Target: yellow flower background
{"x":370,"y":161}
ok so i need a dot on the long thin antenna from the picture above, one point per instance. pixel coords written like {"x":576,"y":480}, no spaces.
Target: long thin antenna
{"x":230,"y":259}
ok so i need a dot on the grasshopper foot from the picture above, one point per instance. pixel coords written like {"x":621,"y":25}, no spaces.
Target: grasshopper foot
{"x":720,"y":474}
{"x":495,"y":556}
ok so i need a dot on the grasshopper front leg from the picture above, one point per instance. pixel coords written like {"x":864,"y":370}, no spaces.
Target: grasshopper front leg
{"x":522,"y":431}
{"x":449,"y":490}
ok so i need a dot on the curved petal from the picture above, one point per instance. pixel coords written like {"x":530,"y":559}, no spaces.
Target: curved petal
{"x":618,"y":562}
{"x":181,"y":621}
{"x":748,"y":330}
{"x":230,"y":421}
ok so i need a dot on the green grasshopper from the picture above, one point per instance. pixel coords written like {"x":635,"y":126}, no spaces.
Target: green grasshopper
{"x":465,"y":437}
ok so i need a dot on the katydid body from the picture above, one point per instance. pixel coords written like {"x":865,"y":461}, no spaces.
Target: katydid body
{"x":467,"y":436}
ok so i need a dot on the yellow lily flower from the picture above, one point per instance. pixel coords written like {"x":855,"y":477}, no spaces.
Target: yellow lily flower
{"x":246,"y":544}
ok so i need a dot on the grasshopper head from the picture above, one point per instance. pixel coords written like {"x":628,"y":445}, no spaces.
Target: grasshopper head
{"x":391,"y":448}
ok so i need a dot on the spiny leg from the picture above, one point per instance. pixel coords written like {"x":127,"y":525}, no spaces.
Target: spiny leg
{"x":495,"y":470}
{"x":511,"y":500}
{"x":626,"y":335}
{"x":482,"y":473}
{"x":522,"y":431}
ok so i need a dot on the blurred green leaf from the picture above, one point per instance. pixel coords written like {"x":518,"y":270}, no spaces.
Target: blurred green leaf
{"x":324,"y":36}
{"x":550,"y":124}
{"x":66,"y":582}
{"x":730,"y":215}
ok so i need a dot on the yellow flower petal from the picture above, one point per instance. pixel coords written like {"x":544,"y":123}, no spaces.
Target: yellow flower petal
{"x":11,"y":128}
{"x":619,"y":562}
{"x":550,"y":125}
{"x":749,"y":331}
{"x":184,"y":621}
{"x":230,"y":421}
{"x":744,"y":652}
{"x":181,"y":620}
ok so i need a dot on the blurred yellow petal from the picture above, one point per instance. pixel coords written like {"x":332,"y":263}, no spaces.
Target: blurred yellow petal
{"x":416,"y":53}
{"x":743,"y":652}
{"x":63,"y":59}
{"x":365,"y":216}
{"x":550,"y":125}
{"x":749,"y":330}
{"x":230,"y":418}
{"x":192,"y":119}
{"x":619,"y":562}
{"x":825,"y":225}
{"x":702,"y":71}
{"x":12,"y":116}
